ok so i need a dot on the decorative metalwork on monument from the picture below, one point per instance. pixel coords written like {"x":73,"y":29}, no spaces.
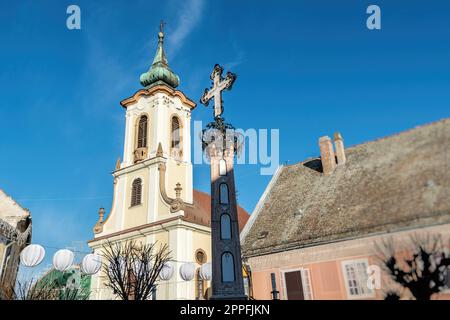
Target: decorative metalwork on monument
{"x":221,"y":143}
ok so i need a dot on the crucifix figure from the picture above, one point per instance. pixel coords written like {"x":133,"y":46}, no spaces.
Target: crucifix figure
{"x":219,"y":84}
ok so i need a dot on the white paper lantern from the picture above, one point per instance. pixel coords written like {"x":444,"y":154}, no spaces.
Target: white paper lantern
{"x":32,"y":255}
{"x":206,"y":271}
{"x":187,"y":271}
{"x":166,"y":271}
{"x":91,"y":264}
{"x":63,"y":259}
{"x":139,"y":268}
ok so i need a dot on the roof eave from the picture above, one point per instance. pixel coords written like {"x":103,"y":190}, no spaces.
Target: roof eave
{"x":158,"y":88}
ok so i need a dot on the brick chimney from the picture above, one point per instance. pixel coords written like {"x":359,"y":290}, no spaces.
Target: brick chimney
{"x":339,"y":146}
{"x":327,"y":155}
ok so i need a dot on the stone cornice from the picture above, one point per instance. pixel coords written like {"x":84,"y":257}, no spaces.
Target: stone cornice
{"x":139,"y":165}
{"x":159,"y":88}
{"x":148,"y":229}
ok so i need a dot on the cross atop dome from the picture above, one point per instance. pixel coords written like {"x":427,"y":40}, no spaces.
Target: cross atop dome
{"x":159,"y":72}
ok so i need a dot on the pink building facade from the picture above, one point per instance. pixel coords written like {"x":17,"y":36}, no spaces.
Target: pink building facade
{"x":335,"y":271}
{"x":317,"y":231}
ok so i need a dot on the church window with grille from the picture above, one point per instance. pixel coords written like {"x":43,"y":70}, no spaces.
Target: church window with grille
{"x":142,"y":132}
{"x":176,"y":137}
{"x":136,"y":192}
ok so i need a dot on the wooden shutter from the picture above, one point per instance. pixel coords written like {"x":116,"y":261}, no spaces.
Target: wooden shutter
{"x":136,"y":192}
{"x":142,"y":132}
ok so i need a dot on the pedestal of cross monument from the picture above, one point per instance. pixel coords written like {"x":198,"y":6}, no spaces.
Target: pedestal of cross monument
{"x":227,"y":280}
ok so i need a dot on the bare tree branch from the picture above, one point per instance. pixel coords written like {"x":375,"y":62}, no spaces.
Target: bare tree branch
{"x":422,"y":269}
{"x":132,"y":269}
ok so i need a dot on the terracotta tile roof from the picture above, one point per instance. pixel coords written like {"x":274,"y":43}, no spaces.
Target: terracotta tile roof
{"x":395,"y":183}
{"x":200,"y":212}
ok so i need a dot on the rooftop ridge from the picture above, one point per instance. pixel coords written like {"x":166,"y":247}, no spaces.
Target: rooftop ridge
{"x":387,"y":137}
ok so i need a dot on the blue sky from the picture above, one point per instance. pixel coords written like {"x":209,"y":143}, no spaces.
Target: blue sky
{"x":307,"y":68}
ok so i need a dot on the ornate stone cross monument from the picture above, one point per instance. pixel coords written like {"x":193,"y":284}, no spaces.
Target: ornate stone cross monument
{"x":221,"y":143}
{"x":219,"y":84}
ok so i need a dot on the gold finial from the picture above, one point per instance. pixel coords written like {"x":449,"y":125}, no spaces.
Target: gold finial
{"x":161,"y":30}
{"x":98,"y":228}
{"x":101,"y":213}
{"x":118,"y":164}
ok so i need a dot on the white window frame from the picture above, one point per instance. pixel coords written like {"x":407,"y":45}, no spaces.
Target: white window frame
{"x":303,"y":272}
{"x":371,"y":292}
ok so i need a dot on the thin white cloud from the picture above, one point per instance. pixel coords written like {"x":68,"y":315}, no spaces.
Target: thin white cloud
{"x":236,"y":61}
{"x":189,"y":16}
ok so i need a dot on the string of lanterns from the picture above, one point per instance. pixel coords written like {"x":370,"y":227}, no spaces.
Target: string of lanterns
{"x":63,"y":259}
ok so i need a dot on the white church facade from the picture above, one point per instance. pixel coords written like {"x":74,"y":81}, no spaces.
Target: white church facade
{"x":154,"y":199}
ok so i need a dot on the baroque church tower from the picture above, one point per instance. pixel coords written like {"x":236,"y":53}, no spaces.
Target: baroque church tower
{"x":154,"y":199}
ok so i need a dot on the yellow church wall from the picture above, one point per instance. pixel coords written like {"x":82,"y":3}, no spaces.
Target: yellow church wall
{"x":162,"y":237}
{"x":108,"y":227}
{"x":202,"y":241}
{"x":110,"y":221}
{"x":199,"y":238}
{"x":179,"y":172}
{"x":136,"y":215}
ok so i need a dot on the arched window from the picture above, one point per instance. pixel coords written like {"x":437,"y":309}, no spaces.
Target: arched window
{"x":136,"y":192}
{"x":222,"y":167}
{"x":223,"y":190}
{"x":142,"y":132}
{"x":227,"y":267}
{"x":176,"y":137}
{"x":225,"y":227}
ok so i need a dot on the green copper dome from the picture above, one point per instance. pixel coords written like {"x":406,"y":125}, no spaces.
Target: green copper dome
{"x":159,"y":71}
